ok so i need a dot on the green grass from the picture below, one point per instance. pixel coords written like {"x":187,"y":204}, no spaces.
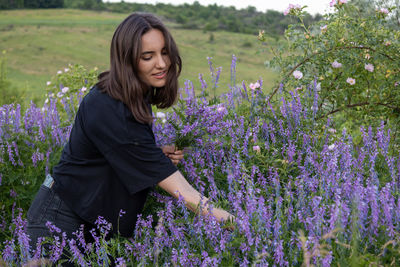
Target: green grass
{"x":38,"y":43}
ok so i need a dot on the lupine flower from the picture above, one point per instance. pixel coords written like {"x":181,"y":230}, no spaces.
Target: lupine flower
{"x":350,"y":81}
{"x":60,"y":94}
{"x":336,"y":64}
{"x":13,"y":194}
{"x":298,"y":74}
{"x":120,"y":262}
{"x":369,"y":67}
{"x":52,"y":228}
{"x":121,"y":213}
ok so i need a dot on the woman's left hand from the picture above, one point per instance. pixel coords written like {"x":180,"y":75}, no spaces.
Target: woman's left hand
{"x":174,"y":155}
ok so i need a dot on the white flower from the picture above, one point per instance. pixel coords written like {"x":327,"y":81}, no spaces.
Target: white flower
{"x":254,"y":86}
{"x":383,"y":11}
{"x":59,"y":94}
{"x":369,"y":67}
{"x":298,"y":74}
{"x":52,"y":95}
{"x":324,"y":28}
{"x":160,"y":115}
{"x":66,"y":69}
{"x":59,"y":72}
{"x":48,"y":83}
{"x":351,"y":81}
{"x":221,"y":109}
{"x":290,"y":8}
{"x":46,"y":101}
{"x":65,"y":90}
{"x":257,"y":149}
{"x":336,"y":64}
{"x":84,"y":89}
{"x":332,"y":130}
{"x":318,"y":88}
{"x":331,"y":147}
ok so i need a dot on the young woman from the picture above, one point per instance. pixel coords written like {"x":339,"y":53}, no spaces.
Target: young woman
{"x":111,"y":160}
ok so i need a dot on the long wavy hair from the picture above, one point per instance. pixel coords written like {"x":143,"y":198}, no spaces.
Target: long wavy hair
{"x":122,"y":81}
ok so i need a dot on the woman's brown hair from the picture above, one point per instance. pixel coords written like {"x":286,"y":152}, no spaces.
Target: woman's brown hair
{"x":122,"y":81}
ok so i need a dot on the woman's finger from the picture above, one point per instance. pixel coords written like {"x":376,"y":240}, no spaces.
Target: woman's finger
{"x":168,"y":149}
{"x":175,"y":157}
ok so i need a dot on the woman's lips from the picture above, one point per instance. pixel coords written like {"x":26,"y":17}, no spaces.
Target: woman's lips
{"x":160,"y":75}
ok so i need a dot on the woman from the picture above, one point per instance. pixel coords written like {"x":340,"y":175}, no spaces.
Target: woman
{"x":111,"y":160}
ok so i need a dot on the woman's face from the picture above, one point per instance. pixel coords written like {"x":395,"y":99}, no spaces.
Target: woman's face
{"x":154,"y":60}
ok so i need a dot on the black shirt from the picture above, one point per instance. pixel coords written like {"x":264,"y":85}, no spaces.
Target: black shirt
{"x":109,"y":163}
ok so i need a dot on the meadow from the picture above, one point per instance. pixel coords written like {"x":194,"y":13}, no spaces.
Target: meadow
{"x":311,"y":170}
{"x":38,"y":43}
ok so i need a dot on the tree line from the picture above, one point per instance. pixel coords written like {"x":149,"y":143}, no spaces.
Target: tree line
{"x":190,"y":16}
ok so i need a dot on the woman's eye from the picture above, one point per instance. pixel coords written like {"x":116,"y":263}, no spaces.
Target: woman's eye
{"x":146,"y":58}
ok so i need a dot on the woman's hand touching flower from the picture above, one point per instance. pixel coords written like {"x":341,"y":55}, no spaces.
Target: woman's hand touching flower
{"x":174,"y":155}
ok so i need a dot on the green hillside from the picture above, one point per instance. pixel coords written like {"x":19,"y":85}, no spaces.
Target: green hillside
{"x":38,"y":43}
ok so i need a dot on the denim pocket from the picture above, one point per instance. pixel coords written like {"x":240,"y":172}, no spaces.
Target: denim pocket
{"x":40,"y":204}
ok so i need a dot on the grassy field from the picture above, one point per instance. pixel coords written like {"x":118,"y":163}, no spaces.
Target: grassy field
{"x":38,"y":43}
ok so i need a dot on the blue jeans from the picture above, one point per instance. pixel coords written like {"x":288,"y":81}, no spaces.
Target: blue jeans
{"x":48,"y":206}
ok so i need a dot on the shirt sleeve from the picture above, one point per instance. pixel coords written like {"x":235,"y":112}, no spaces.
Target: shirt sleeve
{"x":140,"y":165}
{"x":127,"y":145}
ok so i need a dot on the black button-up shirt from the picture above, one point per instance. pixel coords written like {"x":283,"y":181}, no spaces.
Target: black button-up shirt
{"x":109,"y":163}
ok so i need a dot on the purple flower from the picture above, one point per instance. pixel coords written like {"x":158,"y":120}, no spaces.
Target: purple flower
{"x":52,"y":228}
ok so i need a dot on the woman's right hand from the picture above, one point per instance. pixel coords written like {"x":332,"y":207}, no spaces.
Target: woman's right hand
{"x":176,"y":185}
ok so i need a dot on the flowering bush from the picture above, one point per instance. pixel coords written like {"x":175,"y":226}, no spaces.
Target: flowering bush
{"x":300,"y":191}
{"x":355,"y":57}
{"x":68,"y":87}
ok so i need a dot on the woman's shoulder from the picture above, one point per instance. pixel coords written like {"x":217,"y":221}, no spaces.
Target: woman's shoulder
{"x":98,"y":105}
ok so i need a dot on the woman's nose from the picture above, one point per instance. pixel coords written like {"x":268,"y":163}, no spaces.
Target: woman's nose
{"x":161,"y":62}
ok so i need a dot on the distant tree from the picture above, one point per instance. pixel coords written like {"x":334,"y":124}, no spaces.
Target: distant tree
{"x":43,"y":3}
{"x":11,"y":4}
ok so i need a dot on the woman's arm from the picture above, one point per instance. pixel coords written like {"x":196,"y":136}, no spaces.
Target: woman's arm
{"x":177,"y":185}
